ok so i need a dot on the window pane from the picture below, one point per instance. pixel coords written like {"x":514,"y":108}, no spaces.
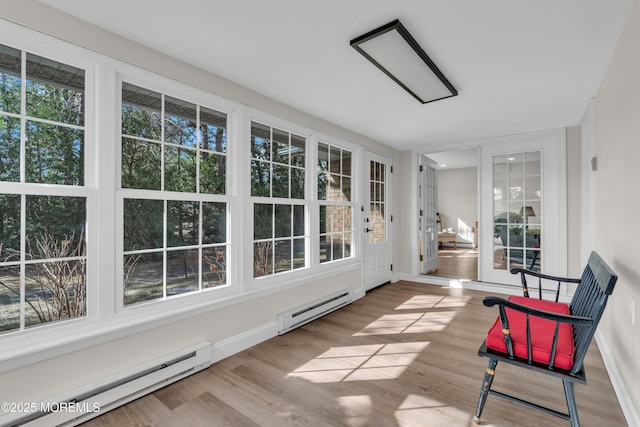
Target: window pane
{"x":141,"y":164}
{"x":182,"y":271}
{"x":346,"y":189}
{"x":337,"y":246}
{"x":346,"y":162}
{"x":298,"y":220}
{"x":9,"y":227}
{"x":180,"y":122}
{"x":214,"y":266}
{"x":179,"y":169}
{"x":348,"y":238}
{"x":141,"y":112}
{"x":143,"y":277}
{"x":9,"y":148}
{"x":284,"y":259}
{"x":283,"y":220}
{"x":55,"y":290}
{"x":55,"y":91}
{"x":280,"y":181}
{"x":280,"y":147}
{"x":143,"y":223}
{"x":335,"y":160}
{"x":323,"y":219}
{"x":9,"y":297}
{"x":298,"y":150}
{"x":262,"y":221}
{"x":214,"y":223}
{"x":213,"y":172}
{"x":297,"y":183}
{"x":54,"y":154}
{"x":260,"y":179}
{"x":182,"y":223}
{"x":335,"y":188}
{"x":323,"y":166}
{"x":213,"y":126}
{"x":260,"y":141}
{"x":10,"y":71}
{"x":262,"y":259}
{"x":325,"y":252}
{"x":55,"y":227}
{"x":299,"y":260}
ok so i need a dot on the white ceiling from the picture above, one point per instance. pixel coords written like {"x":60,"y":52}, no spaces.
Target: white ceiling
{"x":518,"y":65}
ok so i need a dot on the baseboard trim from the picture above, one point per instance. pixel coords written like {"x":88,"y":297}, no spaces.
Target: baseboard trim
{"x":243,"y":341}
{"x":631,"y":413}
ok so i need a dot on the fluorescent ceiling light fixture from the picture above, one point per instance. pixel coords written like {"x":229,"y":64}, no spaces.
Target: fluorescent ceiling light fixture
{"x":394,"y":51}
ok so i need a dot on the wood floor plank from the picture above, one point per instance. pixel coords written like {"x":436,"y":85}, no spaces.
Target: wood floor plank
{"x":404,"y":355}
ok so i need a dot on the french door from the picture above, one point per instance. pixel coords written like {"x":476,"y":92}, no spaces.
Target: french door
{"x":428,"y":196}
{"x":523,"y":206}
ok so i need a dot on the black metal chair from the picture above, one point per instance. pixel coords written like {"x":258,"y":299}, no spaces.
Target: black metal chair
{"x":547,"y":336}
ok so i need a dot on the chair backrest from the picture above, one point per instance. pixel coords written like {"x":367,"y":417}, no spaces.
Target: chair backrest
{"x":590,"y":299}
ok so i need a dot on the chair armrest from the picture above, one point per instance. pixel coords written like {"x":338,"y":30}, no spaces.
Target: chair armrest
{"x":525,"y":288}
{"x":544,"y":276}
{"x":557,"y":317}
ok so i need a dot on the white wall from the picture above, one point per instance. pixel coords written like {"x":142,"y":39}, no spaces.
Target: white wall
{"x":79,"y":364}
{"x":458,"y":200}
{"x":617,"y":138}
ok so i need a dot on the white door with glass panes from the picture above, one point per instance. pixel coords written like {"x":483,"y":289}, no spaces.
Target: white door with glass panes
{"x":428,"y":226}
{"x":377,"y":221}
{"x":523,"y":205}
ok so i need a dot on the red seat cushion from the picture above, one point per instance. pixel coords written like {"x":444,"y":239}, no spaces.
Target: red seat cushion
{"x":542,"y":331}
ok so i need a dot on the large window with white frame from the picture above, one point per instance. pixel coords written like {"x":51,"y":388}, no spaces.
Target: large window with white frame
{"x":173,"y":188}
{"x":336,"y":206}
{"x":166,"y":156}
{"x":278,"y":167}
{"x":43,"y":201}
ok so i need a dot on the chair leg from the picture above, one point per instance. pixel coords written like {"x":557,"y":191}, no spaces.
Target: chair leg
{"x":571,"y":403}
{"x":486,"y":386}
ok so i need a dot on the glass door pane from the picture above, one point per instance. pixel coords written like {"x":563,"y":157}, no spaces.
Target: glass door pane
{"x":517,"y":199}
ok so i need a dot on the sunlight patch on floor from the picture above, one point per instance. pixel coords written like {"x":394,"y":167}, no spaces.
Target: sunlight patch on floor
{"x":357,"y":410}
{"x":360,"y":363}
{"x":421,"y":410}
{"x":420,"y":302}
{"x":408,"y":323}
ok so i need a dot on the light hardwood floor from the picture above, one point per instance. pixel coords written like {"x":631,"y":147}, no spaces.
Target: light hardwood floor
{"x":460,"y":263}
{"x":404,"y":355}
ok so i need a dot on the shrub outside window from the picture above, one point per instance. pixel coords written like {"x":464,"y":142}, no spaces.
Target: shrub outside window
{"x":175,"y":232}
{"x":43,"y":206}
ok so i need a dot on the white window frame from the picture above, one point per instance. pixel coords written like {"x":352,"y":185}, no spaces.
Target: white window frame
{"x":36,"y":337}
{"x":355,"y":184}
{"x":168,"y":87}
{"x":281,"y":279}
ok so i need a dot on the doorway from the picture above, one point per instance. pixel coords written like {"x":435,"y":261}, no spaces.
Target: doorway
{"x":456,"y":214}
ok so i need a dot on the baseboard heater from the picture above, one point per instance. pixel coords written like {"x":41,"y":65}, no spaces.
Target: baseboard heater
{"x":100,"y":397}
{"x":299,"y":316}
